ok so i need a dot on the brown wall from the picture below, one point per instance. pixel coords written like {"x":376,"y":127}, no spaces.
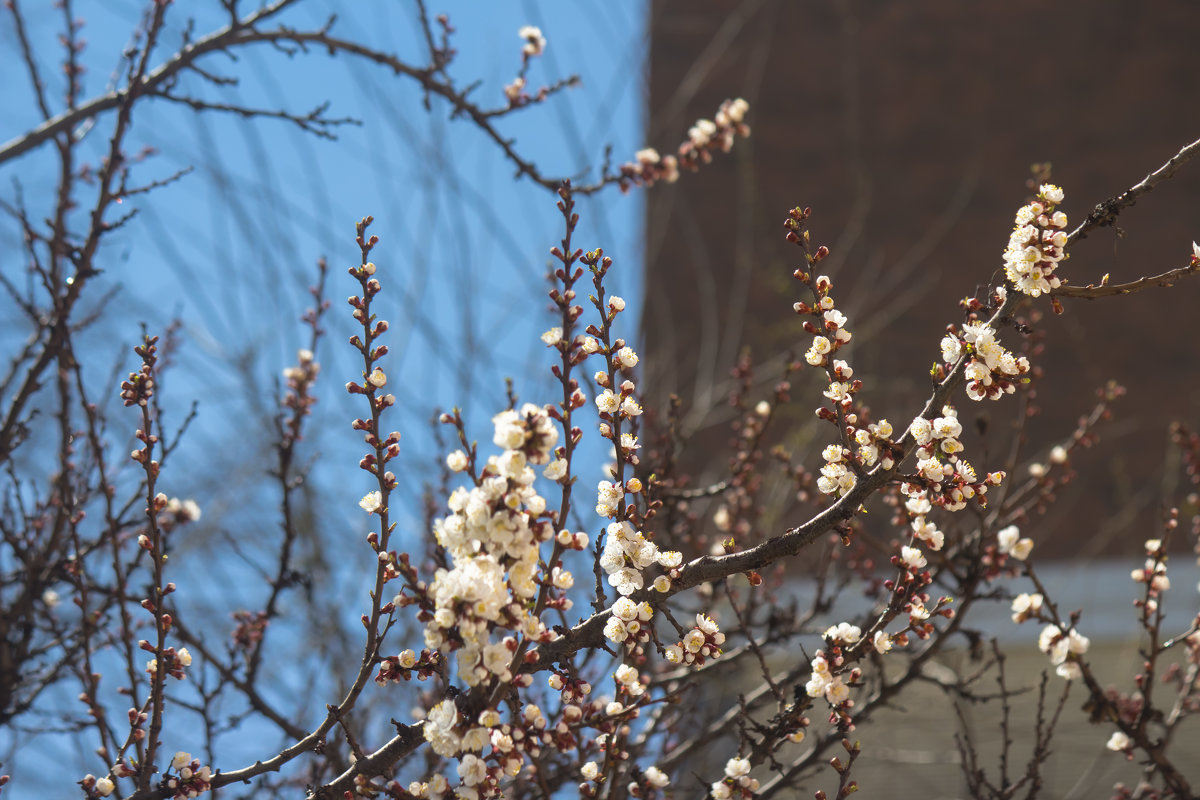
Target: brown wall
{"x":909,"y":128}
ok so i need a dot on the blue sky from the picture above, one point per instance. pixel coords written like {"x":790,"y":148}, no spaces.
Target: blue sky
{"x":230,"y":249}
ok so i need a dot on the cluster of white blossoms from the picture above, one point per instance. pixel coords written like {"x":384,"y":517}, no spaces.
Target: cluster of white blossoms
{"x":192,"y":780}
{"x":737,"y":781}
{"x":535,"y":45}
{"x":524,"y":736}
{"x":870,"y":440}
{"x":992,"y":370}
{"x":653,"y":776}
{"x":704,"y":137}
{"x":732,"y":113}
{"x":837,"y":477}
{"x":441,"y":729}
{"x":1155,"y":571}
{"x":1063,"y":648}
{"x":832,"y":333}
{"x":449,"y":736}
{"x":1058,"y":455}
{"x":1037,"y":244}
{"x":824,"y":683}
{"x":629,"y":681}
{"x":950,"y":477}
{"x":176,"y":662}
{"x":943,"y":478}
{"x":627,"y":623}
{"x":627,"y":552}
{"x":837,"y":474}
{"x":702,"y":132}
{"x":530,"y":431}
{"x":1119,"y":742}
{"x":1010,"y":543}
{"x":702,"y":642}
{"x":721,"y":132}
{"x":650,"y":166}
{"x":175,"y":511}
{"x":1154,"y":575}
{"x":828,"y":326}
{"x":918,"y":505}
{"x":1026,"y":606}
{"x":493,"y":537}
{"x":535,"y":42}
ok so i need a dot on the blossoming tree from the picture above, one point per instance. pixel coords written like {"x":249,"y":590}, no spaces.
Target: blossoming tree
{"x":556,"y":628}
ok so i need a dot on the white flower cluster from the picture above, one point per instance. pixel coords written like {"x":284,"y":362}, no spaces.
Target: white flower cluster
{"x":620,"y":405}
{"x":721,"y":132}
{"x":650,"y":166}
{"x":1026,"y":606}
{"x":653,"y":776}
{"x":870,"y":439}
{"x":1154,"y":574}
{"x":944,"y":478}
{"x":513,"y":90}
{"x":531,"y":431}
{"x":843,"y":634}
{"x":824,"y":683}
{"x":176,"y":662}
{"x":440,"y":729}
{"x":535,"y":42}
{"x":912,"y":558}
{"x":1035,"y":247}
{"x":837,"y":475}
{"x":1058,"y":455}
{"x":732,"y":112}
{"x":448,"y":738}
{"x":737,"y":780}
{"x":458,"y":461}
{"x":1010,"y":543}
{"x":492,"y":537}
{"x":833,"y":333}
{"x":436,"y":786}
{"x":527,"y":733}
{"x":992,"y":369}
{"x":192,"y":779}
{"x":1119,"y":742}
{"x":182,"y":510}
{"x":1063,"y":648}
{"x":628,"y":621}
{"x":627,"y":552}
{"x":630,"y":681}
{"x":371,"y":502}
{"x":472,"y":770}
{"x":701,"y":643}
{"x":705,"y":137}
{"x":939,"y":464}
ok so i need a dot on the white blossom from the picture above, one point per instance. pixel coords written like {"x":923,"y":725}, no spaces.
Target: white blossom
{"x":1118,"y":741}
{"x":535,"y":42}
{"x":371,"y":502}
